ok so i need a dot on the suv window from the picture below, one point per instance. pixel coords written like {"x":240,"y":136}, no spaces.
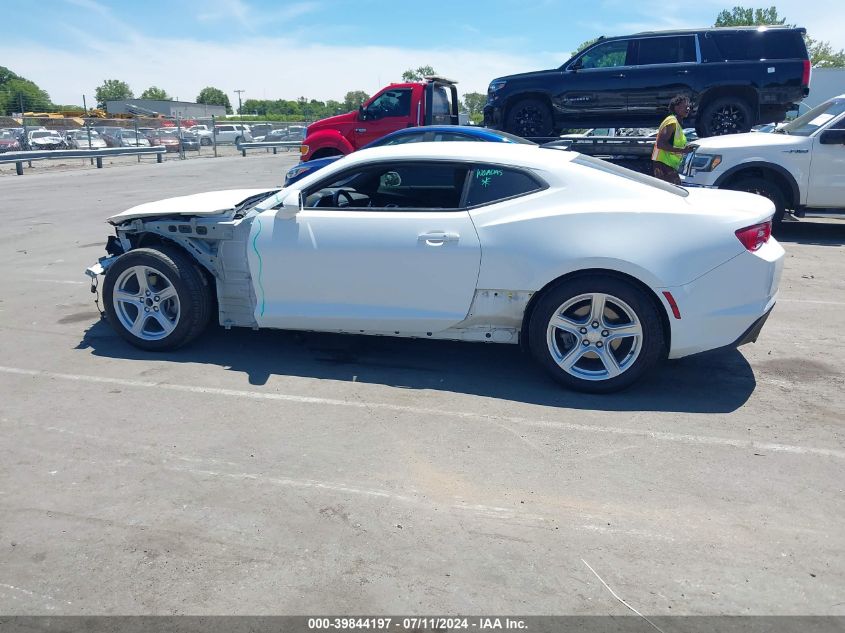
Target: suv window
{"x":392,"y":186}
{"x":607,"y":55}
{"x":666,"y":50}
{"x":225,"y":128}
{"x":491,"y":183}
{"x":756,"y":45}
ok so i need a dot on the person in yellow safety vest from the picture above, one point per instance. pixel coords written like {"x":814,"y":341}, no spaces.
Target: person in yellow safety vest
{"x":671,"y":143}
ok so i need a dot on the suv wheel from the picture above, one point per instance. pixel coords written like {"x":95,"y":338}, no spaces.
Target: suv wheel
{"x":726,"y":115}
{"x":530,"y":118}
{"x":765,"y":188}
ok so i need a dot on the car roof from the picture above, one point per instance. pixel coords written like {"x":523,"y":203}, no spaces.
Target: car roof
{"x":709,"y":29}
{"x":531,"y":156}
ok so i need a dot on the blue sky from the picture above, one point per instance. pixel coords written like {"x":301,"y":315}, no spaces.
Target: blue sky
{"x":322,"y":49}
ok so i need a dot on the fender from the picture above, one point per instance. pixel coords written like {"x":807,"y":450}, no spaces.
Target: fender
{"x":322,"y":139}
{"x":760,"y":164}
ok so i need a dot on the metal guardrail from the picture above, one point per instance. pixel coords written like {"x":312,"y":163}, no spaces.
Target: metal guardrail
{"x":19,"y":158}
{"x":243,"y":147}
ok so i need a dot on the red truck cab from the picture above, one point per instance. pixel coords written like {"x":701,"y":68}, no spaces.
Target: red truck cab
{"x":431,"y":102}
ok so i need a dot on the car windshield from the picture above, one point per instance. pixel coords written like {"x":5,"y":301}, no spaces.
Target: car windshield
{"x":6,"y":134}
{"x":811,"y":121}
{"x":43,"y":134}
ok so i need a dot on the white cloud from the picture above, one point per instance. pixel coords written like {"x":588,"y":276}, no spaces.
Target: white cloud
{"x":272,"y":68}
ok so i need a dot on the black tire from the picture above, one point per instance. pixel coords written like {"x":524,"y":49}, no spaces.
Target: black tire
{"x":530,"y":118}
{"x":767,"y":189}
{"x":167,"y":269}
{"x":725,"y":115}
{"x":633,"y":355}
{"x":205,"y":141}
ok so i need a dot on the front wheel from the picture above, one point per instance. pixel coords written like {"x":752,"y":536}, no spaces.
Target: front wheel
{"x":156,"y":299}
{"x":205,"y":141}
{"x":530,"y":118}
{"x":596,"y":334}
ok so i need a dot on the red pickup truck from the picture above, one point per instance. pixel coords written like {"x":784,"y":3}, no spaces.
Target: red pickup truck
{"x":431,"y":102}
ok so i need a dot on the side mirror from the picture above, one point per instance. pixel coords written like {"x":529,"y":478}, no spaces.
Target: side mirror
{"x":832,"y":137}
{"x":578,"y":65}
{"x":362,"y":113}
{"x":291,"y":205}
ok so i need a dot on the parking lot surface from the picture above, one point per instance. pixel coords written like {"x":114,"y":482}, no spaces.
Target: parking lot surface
{"x":280,"y":472}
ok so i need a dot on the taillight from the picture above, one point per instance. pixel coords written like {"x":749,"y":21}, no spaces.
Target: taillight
{"x":805,"y":76}
{"x":753,"y":237}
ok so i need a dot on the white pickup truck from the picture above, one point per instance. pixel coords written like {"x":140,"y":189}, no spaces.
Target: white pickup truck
{"x":800,"y":166}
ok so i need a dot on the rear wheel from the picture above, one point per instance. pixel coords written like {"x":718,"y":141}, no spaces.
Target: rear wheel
{"x":530,"y":118}
{"x":596,"y":334}
{"x":205,"y":141}
{"x":765,"y":188}
{"x":725,"y":115}
{"x":156,"y":299}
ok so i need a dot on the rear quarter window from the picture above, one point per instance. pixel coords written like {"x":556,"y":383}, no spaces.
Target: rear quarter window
{"x":756,"y":45}
{"x":491,"y":183}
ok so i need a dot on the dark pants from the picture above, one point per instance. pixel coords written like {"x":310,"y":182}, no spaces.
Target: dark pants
{"x":664,"y":172}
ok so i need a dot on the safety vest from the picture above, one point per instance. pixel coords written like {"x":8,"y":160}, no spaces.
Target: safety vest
{"x":679,"y":141}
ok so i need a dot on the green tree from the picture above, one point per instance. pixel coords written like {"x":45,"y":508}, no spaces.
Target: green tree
{"x":7,"y":75}
{"x":214,"y":96}
{"x":353,"y":99}
{"x":742,"y":16}
{"x":584,"y":45}
{"x":112,"y":90}
{"x":154,"y":92}
{"x":333,"y":107}
{"x":822,"y":54}
{"x":473,"y":102}
{"x":418,"y":74}
{"x":15,"y":93}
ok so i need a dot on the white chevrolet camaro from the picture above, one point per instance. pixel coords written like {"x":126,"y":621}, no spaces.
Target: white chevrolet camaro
{"x":598,"y":271}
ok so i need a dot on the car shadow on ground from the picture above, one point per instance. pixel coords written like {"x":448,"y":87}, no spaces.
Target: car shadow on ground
{"x":716,"y":382}
{"x":814,"y":231}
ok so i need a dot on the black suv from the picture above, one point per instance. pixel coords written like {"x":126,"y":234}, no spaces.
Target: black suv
{"x":735,"y":78}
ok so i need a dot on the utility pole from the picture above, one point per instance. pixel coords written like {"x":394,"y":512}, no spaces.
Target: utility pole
{"x":239,"y":99}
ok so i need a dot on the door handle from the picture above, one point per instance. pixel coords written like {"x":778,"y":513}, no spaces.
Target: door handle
{"x":360,"y":130}
{"x":620,"y":75}
{"x":438,"y":238}
{"x":682,"y":72}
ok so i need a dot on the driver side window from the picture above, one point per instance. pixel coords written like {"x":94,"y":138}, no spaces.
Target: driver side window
{"x":608,"y":55}
{"x":390,"y":103}
{"x":395,"y":186}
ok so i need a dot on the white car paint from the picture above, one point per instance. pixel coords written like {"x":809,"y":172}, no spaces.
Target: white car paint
{"x":357,"y":270}
{"x":208,"y":203}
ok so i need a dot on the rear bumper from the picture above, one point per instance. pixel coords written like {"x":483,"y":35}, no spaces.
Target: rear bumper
{"x":728,"y":305}
{"x":751,"y":334}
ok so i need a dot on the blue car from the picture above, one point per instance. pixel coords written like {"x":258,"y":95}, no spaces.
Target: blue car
{"x":413,"y":135}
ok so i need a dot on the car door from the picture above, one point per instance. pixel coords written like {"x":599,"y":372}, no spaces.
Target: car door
{"x":595,"y":84}
{"x":664,"y":67}
{"x":827,"y":170}
{"x":385,"y":113}
{"x":396,"y":253}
